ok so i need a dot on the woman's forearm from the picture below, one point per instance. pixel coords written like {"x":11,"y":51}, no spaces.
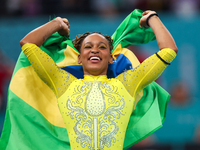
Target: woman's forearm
{"x":163,"y":36}
{"x":40,"y":34}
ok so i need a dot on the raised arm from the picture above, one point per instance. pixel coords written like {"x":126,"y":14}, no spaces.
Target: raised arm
{"x":136,"y":79}
{"x":163,"y":36}
{"x":40,"y":34}
{"x":57,"y":79}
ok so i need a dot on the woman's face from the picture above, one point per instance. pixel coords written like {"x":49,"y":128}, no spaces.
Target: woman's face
{"x":95,"y":55}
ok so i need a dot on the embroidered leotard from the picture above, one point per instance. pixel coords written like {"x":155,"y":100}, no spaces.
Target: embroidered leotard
{"x":96,"y":110}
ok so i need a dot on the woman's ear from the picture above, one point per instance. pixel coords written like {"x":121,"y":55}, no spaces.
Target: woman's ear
{"x":79,"y":58}
{"x":111,"y":59}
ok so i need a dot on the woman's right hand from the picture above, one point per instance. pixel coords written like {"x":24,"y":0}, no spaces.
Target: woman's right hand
{"x":64,"y":23}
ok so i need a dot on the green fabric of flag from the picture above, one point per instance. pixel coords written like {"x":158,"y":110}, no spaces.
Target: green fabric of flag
{"x":130,"y":33}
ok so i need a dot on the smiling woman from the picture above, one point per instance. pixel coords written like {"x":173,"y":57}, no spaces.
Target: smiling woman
{"x":96,"y":109}
{"x":95,"y":55}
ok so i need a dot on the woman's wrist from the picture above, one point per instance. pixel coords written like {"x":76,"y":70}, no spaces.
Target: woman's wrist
{"x":154,"y":15}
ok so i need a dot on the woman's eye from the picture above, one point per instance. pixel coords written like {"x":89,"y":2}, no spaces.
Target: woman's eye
{"x":102,"y":47}
{"x":87,"y":46}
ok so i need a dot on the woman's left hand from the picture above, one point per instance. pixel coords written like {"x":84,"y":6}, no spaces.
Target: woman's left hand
{"x":144,"y":18}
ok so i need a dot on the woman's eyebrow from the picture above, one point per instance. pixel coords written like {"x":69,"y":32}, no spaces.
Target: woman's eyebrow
{"x":102,"y":43}
{"x":88,"y":43}
{"x":92,"y":43}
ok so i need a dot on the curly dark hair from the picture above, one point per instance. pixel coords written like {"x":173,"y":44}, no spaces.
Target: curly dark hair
{"x":77,"y":42}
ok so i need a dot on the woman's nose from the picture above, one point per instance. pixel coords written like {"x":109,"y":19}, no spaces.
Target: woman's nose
{"x":95,"y":50}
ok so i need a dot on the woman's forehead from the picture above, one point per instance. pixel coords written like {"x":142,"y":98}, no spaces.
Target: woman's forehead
{"x":95,"y":37}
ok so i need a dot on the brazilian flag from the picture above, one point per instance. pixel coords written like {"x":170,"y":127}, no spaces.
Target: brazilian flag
{"x":33,"y":120}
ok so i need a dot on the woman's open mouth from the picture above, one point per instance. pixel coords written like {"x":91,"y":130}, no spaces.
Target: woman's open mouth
{"x":95,"y":59}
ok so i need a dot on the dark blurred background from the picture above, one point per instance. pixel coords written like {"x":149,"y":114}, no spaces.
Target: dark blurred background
{"x":181,"y":129}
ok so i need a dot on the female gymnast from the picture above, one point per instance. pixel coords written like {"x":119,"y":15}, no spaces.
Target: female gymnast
{"x":96,"y":109}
